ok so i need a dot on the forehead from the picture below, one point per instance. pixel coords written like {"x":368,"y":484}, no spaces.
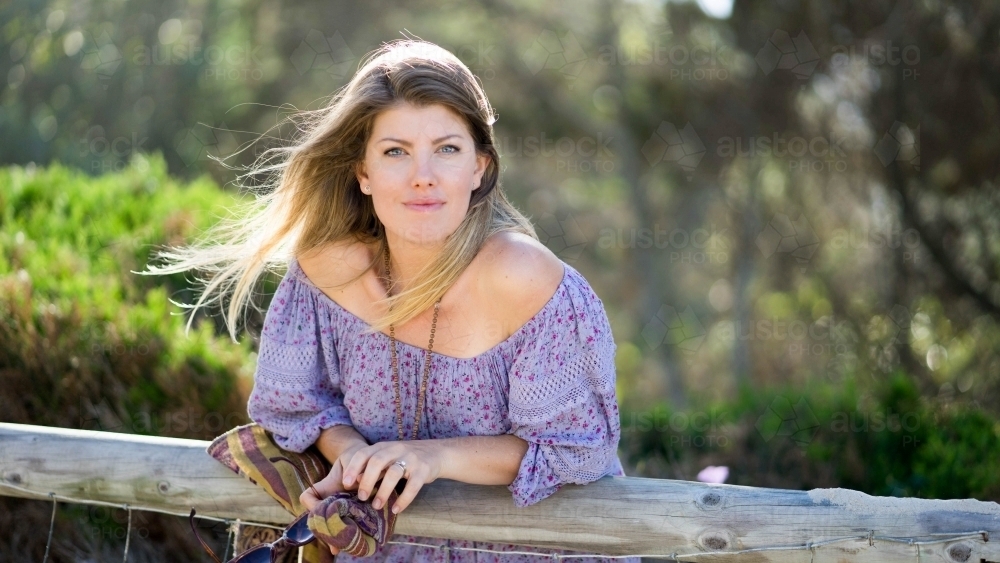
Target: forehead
{"x":407,"y":121}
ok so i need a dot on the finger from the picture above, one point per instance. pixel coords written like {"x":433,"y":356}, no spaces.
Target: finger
{"x":373,"y":472}
{"x":413,"y":484}
{"x":308,"y":500}
{"x":325,"y":487}
{"x":392,"y":476}
{"x":355,"y":465}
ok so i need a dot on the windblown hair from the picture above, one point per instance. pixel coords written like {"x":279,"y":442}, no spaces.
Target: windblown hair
{"x":312,"y":197}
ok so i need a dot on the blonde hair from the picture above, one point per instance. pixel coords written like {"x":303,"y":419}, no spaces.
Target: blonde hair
{"x":313,"y":198}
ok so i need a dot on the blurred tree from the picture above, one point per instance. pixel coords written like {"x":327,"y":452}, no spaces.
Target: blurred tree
{"x":795,"y":191}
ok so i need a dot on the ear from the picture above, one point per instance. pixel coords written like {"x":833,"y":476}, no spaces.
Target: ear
{"x":482,"y":161}
{"x":361,"y":174}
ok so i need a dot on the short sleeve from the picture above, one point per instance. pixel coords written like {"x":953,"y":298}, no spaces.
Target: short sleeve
{"x":296,"y":392}
{"x":562,"y":396}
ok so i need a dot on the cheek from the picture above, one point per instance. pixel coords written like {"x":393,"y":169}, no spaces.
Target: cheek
{"x":386,"y":206}
{"x":456,"y":167}
{"x":383,"y":170}
{"x":460,"y":208}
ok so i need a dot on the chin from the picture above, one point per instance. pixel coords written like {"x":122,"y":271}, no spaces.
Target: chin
{"x":420,"y":236}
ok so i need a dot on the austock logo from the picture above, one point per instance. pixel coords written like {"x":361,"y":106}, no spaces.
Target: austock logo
{"x":318,"y":52}
{"x":667,"y":144}
{"x":101,"y":55}
{"x":179,"y":42}
{"x":550,"y":51}
{"x":105,"y":417}
{"x":788,"y":236}
{"x":202,"y":142}
{"x":819,"y":153}
{"x":796,"y":54}
{"x":571,"y":154}
{"x":899,"y":143}
{"x":562,"y":235}
{"x":901,"y":320}
{"x":698,"y":429}
{"x":683,"y":330}
{"x":888,"y":333}
{"x":113,"y":154}
{"x":175,"y":46}
{"x":786,"y":53}
{"x":110,"y":523}
{"x":798,"y":422}
{"x":697,"y":246}
{"x":681,"y":60}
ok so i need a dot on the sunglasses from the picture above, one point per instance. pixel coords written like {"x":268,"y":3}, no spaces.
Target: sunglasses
{"x":295,"y":535}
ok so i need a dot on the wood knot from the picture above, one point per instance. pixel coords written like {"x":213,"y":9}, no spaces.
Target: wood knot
{"x":960,"y":552}
{"x":715,"y":543}
{"x":14,"y":478}
{"x":163,"y":487}
{"x":711,"y":500}
{"x":716,"y":540}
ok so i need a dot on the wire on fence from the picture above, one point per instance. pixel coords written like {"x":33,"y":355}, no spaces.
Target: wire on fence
{"x":52,"y":525}
{"x":870,"y":537}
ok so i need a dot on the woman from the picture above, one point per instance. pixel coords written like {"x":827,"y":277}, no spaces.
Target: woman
{"x":498,"y":364}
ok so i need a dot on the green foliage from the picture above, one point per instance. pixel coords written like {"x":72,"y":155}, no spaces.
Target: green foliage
{"x":893,"y":268}
{"x":889,"y":441}
{"x":89,"y":344}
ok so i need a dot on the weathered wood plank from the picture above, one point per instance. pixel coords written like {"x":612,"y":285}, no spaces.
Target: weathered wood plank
{"x":614,"y":515}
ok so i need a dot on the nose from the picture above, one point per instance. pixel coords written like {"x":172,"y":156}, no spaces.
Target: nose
{"x":423,"y":173}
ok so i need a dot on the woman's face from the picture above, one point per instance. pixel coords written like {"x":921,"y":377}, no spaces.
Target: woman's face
{"x":422,"y":167}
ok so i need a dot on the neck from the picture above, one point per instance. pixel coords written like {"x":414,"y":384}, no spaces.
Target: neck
{"x":406,"y":259}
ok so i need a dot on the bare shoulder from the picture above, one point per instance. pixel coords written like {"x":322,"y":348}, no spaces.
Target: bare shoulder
{"x":335,"y":263}
{"x":520,"y":274}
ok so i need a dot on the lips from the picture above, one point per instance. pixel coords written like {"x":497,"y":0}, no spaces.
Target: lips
{"x":425,"y":205}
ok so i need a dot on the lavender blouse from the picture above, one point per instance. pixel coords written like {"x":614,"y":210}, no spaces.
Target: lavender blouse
{"x":551,"y":383}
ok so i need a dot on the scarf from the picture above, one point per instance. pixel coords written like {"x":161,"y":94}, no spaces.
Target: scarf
{"x":341,"y":520}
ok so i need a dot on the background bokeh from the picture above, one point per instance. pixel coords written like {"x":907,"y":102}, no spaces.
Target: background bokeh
{"x":789,"y":209}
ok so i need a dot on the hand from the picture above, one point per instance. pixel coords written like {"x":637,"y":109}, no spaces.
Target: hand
{"x":366,"y":465}
{"x":327,"y":486}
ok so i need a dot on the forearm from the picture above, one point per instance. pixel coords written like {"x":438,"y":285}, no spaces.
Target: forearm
{"x":335,"y":440}
{"x":482,"y":460}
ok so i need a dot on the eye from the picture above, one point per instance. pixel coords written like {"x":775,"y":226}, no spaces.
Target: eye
{"x":456,"y":149}
{"x":390,"y":153}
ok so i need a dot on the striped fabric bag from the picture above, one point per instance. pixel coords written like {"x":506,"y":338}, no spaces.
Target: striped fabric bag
{"x":341,"y":520}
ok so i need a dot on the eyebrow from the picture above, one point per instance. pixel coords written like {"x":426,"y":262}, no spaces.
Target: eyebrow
{"x":407,"y":143}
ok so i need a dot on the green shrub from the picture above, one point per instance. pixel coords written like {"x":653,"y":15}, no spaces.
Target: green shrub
{"x":88,"y":344}
{"x":85,"y":343}
{"x":886,"y":441}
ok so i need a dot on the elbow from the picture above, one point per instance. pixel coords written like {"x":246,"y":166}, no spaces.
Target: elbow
{"x":581,"y":465}
{"x":546,"y":468}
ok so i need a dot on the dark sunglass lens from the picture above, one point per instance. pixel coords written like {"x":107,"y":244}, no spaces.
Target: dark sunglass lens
{"x":299,"y":531}
{"x":259,"y":554}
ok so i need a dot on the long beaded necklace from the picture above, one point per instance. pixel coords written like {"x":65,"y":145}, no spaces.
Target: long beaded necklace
{"x":395,"y":366}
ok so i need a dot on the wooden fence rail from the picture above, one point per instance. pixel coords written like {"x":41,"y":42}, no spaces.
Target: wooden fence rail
{"x":614,"y":515}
